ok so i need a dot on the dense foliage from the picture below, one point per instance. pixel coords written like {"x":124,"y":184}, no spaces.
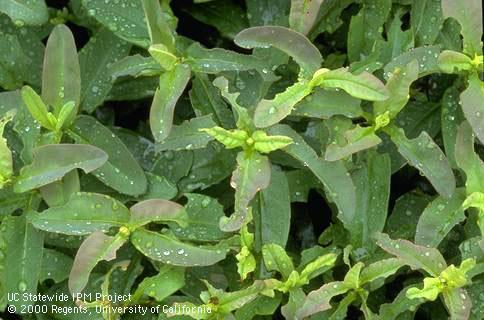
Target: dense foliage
{"x":241,"y":160}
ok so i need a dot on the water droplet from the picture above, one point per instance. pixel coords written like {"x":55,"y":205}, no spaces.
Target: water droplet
{"x":22,"y":286}
{"x":206,"y":202}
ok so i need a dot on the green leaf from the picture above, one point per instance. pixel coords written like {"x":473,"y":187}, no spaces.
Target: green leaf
{"x":188,"y":135}
{"x":173,"y":165}
{"x":357,"y":139}
{"x":473,"y":292}
{"x":373,"y":183}
{"x":160,"y":53}
{"x":61,"y":79}
{"x":352,"y":277}
{"x":157,"y":210}
{"x":55,"y":266}
{"x":303,"y":14}
{"x":417,"y":257}
{"x":264,"y":143}
{"x":6,"y":162}
{"x":58,"y":193}
{"x":425,"y":155}
{"x":431,"y":289}
{"x":230,"y":301}
{"x":453,"y":62}
{"x":318,"y":266}
{"x":159,"y":188}
{"x":456,"y":277}
{"x":28,"y":130}
{"x":23,"y":52}
{"x":11,"y":201}
{"x":427,"y":58}
{"x":83,"y":214}
{"x":291,"y":42}
{"x":458,"y":304}
{"x":332,"y":174}
{"x":380,"y":269}
{"x":471,"y":248}
{"x":52,"y":162}
{"x":95,"y":248}
{"x":451,"y":117}
{"x":449,"y":36}
{"x":121,"y":172}
{"x":323,"y":104}
{"x":262,"y":305}
{"x":216,"y":60}
{"x":172,"y":85}
{"x":362,"y":86}
{"x":23,"y":253}
{"x":206,"y":99}
{"x":468,"y":160}
{"x":36,"y":107}
{"x":159,"y":27}
{"x":253,"y":173}
{"x":25,"y":12}
{"x":210,"y":166}
{"x":438,"y":218}
{"x":124,"y":18}
{"x":102,"y":50}
{"x":403,"y":219}
{"x":135,"y":66}
{"x":229,"y":138}
{"x":134,"y":89}
{"x":244,"y":122}
{"x":318,"y":300}
{"x":276,"y":259}
{"x":471,"y":102}
{"x":270,"y":112}
{"x":168,"y":281}
{"x":67,"y":112}
{"x":469,"y":15}
{"x":169,"y":250}
{"x":398,"y":86}
{"x":202,"y":220}
{"x":13,"y":62}
{"x":296,"y":298}
{"x":272,"y":214}
{"x":245,"y":262}
{"x":426,"y":20}
{"x":366,"y":28}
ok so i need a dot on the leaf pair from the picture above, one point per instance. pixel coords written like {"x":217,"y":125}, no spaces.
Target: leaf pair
{"x":353,"y":284}
{"x":258,"y":141}
{"x":94,"y":214}
{"x":447,"y":280}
